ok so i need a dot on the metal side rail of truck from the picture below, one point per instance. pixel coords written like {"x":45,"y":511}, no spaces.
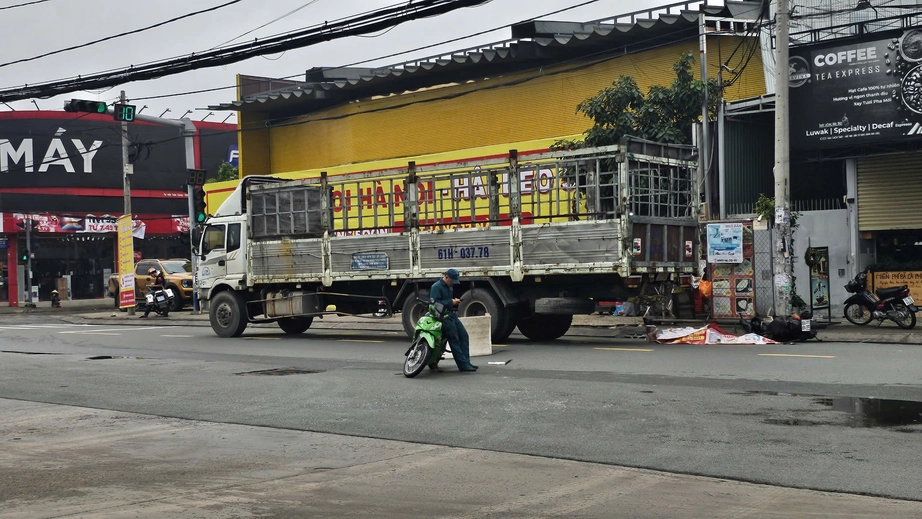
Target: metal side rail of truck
{"x":536,"y":241}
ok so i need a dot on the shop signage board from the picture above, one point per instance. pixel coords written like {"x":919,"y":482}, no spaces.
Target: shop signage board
{"x":64,"y":223}
{"x":911,"y":278}
{"x":125,"y":262}
{"x":863,"y":92}
{"x":725,"y":242}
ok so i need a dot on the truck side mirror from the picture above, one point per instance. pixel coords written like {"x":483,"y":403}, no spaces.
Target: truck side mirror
{"x":196,"y":240}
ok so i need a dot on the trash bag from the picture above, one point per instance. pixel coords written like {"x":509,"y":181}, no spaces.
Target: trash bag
{"x":705,"y":288}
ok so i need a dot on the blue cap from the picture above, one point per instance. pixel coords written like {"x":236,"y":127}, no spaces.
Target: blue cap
{"x":453,"y":274}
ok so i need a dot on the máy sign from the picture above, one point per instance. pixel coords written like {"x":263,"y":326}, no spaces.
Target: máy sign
{"x":863,"y":92}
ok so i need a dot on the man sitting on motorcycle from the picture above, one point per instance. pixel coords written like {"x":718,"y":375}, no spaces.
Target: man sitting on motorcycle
{"x":158,"y":282}
{"x":441,"y":292}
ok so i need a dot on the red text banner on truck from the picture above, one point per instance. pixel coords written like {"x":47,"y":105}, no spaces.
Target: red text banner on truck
{"x":536,"y":241}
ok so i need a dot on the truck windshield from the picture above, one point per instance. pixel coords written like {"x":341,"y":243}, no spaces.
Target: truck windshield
{"x":177,"y":267}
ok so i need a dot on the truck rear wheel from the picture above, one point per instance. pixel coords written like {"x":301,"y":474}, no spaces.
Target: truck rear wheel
{"x":479,"y":302}
{"x":412,"y":311}
{"x":545,"y":327}
{"x":227,"y":314}
{"x":295,"y":325}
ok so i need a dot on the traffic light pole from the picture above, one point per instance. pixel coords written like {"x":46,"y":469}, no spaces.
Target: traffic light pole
{"x":126,"y":178}
{"x":195,"y":304}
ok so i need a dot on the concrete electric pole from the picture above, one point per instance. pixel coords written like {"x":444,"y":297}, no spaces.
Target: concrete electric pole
{"x":783,"y":258}
{"x":126,"y":175}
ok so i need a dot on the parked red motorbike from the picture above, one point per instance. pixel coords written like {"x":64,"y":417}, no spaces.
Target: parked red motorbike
{"x":894,"y":304}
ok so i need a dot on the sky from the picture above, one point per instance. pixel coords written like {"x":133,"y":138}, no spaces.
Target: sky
{"x":43,"y":27}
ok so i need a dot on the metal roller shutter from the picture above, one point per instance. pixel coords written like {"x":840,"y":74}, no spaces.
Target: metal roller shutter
{"x":890,"y":192}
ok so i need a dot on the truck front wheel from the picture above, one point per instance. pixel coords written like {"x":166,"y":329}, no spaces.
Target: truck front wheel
{"x":545,"y":327}
{"x":228,"y":317}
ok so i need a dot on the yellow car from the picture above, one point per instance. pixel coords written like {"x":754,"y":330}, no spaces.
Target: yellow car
{"x":178,"y":275}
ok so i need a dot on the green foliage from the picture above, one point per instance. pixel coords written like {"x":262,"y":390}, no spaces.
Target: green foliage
{"x":225,"y":172}
{"x":665,"y":114}
{"x":765,"y":207}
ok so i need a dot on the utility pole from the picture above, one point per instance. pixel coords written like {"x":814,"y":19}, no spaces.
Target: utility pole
{"x":704,"y":150}
{"x":126,"y":175}
{"x":783,"y":258}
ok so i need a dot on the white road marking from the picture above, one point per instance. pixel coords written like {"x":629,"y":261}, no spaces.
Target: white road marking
{"x":183,"y":336}
{"x":116,"y":329}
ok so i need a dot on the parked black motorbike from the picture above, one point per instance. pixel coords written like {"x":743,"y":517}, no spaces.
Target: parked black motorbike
{"x":793,"y":328}
{"x":893,"y":303}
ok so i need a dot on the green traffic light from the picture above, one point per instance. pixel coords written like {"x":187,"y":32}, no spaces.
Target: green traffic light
{"x":101,"y":108}
{"x":200,"y":217}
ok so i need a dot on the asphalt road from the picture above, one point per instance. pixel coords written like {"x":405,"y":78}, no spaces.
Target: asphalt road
{"x":745,"y":413}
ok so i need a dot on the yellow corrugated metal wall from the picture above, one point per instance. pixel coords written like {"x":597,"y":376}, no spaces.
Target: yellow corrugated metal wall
{"x":889,"y":192}
{"x":518,"y":107}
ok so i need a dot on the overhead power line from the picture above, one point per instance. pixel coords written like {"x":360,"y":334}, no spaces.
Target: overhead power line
{"x":251,"y":31}
{"x":23,"y":5}
{"x":114,"y":36}
{"x":370,"y":22}
{"x":386,"y":56}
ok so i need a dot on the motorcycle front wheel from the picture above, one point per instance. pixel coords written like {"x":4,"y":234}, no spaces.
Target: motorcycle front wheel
{"x":417,"y":358}
{"x":908,"y":322}
{"x":857,"y":314}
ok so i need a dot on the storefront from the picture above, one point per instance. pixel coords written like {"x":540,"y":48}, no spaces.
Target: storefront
{"x":76,"y":254}
{"x":63,"y":171}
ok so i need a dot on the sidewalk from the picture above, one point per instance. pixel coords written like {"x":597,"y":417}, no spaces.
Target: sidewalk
{"x":101,"y":311}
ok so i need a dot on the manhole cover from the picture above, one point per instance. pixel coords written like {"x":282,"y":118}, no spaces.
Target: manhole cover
{"x":281,"y":371}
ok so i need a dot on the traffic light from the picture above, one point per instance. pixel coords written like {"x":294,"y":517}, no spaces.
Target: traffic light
{"x":196,"y":177}
{"x":24,"y":258}
{"x":124,"y":112}
{"x":198,"y":205}
{"x":22,"y":224}
{"x":80,"y":105}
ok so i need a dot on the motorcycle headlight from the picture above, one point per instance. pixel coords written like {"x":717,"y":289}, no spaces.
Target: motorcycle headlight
{"x":187,"y":283}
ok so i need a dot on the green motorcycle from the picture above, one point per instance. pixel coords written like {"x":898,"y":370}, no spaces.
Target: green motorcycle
{"x":428,"y":342}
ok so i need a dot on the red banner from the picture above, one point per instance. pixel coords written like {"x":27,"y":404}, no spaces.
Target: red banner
{"x":106,"y":224}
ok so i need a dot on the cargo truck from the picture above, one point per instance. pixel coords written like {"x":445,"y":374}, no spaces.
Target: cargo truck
{"x":536,"y":240}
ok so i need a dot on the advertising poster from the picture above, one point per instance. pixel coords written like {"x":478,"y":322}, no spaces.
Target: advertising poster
{"x":819,"y":277}
{"x":866,"y":91}
{"x":733,"y":291}
{"x":125,"y":262}
{"x":725,"y":242}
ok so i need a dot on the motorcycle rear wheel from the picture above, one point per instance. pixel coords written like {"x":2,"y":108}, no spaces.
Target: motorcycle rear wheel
{"x":857,"y":314}
{"x":417,"y":358}
{"x":909,"y":322}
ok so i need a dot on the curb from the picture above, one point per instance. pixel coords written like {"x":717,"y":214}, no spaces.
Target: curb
{"x":622,"y":331}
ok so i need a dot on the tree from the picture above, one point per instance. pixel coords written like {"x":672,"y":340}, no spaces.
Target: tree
{"x":665,"y":114}
{"x":225,"y":172}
